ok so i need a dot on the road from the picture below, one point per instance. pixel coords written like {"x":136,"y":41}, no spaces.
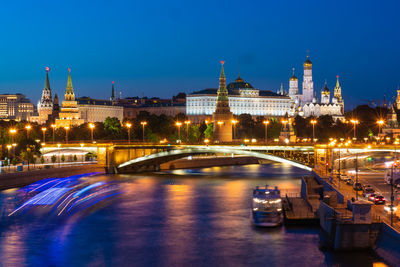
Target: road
{"x":375,"y":178}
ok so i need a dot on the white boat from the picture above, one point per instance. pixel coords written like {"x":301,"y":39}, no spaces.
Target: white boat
{"x":267,"y":207}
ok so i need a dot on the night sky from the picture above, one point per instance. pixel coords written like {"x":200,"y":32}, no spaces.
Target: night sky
{"x":159,"y":48}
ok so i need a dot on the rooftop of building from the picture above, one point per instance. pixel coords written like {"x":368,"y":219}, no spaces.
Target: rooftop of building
{"x":90,"y":101}
{"x":233,"y":92}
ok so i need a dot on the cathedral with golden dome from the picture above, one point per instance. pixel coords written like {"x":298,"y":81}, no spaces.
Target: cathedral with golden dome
{"x":307,"y":103}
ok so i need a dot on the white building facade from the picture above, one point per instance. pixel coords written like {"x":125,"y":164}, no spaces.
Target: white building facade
{"x":243,"y":98}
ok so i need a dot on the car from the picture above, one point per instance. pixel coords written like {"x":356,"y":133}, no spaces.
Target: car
{"x":371,"y":197}
{"x":379,"y":199}
{"x":368,"y":190}
{"x":344,"y":177}
{"x":357,"y":187}
{"x":349,"y":181}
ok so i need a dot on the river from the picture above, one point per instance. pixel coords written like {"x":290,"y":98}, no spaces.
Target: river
{"x":177,"y":218}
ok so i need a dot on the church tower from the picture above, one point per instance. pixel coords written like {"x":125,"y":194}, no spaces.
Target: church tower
{"x":293,"y":86}
{"x":308,"y":85}
{"x":222,"y":117}
{"x":325,"y":95}
{"x":45,"y":106}
{"x":338,"y":94}
{"x":112,"y":98}
{"x":398,"y":98}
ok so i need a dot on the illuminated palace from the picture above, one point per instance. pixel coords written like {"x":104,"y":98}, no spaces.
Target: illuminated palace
{"x":242,"y":98}
{"x":69,"y":114}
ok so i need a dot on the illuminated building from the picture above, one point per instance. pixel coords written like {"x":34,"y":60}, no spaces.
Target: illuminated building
{"x":15,"y":107}
{"x":94,"y":110}
{"x":69,"y":114}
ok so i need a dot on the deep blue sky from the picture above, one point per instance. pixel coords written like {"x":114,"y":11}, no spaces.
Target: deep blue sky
{"x":158,"y":48}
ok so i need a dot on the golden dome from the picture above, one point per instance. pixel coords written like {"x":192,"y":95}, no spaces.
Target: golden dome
{"x":308,"y":62}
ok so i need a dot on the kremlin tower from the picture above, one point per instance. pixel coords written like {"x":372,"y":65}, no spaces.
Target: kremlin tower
{"x":308,"y":85}
{"x":222,"y":116}
{"x":45,"y":105}
{"x":338,"y":94}
{"x":112,"y":98}
{"x":69,"y":114}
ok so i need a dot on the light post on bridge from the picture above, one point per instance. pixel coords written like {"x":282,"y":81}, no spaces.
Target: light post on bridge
{"x":143,"y":123}
{"x":380,"y":124}
{"x":66,"y":134}
{"x":187,"y":130}
{"x":12,"y":131}
{"x":129,"y":125}
{"x":54,"y":129}
{"x":266,"y":122}
{"x":354,"y":122}
{"x":234,"y":122}
{"x":44,"y":129}
{"x":179,"y":124}
{"x":313,"y":122}
{"x":91,"y":126}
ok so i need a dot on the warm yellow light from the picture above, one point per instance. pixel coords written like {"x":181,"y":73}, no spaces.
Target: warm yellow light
{"x":82,"y":145}
{"x":354,"y":121}
{"x":246,"y":140}
{"x":13,"y":131}
{"x":28,"y":127}
{"x":313,"y":122}
{"x":178,"y":123}
{"x":266,"y":122}
{"x":53,"y":126}
{"x":129,"y":125}
{"x":44,"y":129}
{"x":143,"y":123}
{"x":188,"y":122}
{"x":66,"y":128}
{"x":380,"y":122}
{"x":9,"y":146}
{"x":58,"y":145}
{"x":235,"y":121}
{"x":91,"y":125}
{"x":206,"y":121}
{"x":206,"y":141}
{"x":220,"y":123}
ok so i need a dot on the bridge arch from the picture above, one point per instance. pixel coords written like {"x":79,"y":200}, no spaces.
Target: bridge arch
{"x":165,"y":156}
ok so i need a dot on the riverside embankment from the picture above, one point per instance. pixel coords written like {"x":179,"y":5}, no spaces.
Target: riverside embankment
{"x":19,"y":179}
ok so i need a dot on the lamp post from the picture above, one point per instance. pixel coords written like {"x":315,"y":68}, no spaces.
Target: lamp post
{"x":9,"y":157}
{"x":179,"y":124}
{"x":83,"y":155}
{"x":12,"y":132}
{"x":44,"y":129}
{"x":91,"y":126}
{"x":187,"y":129}
{"x":313,"y":122}
{"x":66,"y":134}
{"x":234,"y":122}
{"x":54,"y":129}
{"x":356,"y":175}
{"x":129,"y":125}
{"x":59,"y":158}
{"x":28,"y":128}
{"x":266,"y":122}
{"x":380,"y":124}
{"x":354,"y":122}
{"x":143,"y":123}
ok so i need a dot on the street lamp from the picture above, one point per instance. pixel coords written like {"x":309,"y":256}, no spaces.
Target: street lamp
{"x":54,"y":128}
{"x":59,"y":158}
{"x":83,"y":155}
{"x":12,"y":132}
{"x":66,"y":134}
{"x":91,"y":126}
{"x":187,"y":129}
{"x":354,"y":122}
{"x":266,"y":122}
{"x":143,"y":123}
{"x":380,"y":124}
{"x":179,"y":124}
{"x":129,"y":125}
{"x":28,"y":128}
{"x":44,"y":129}
{"x":313,"y":122}
{"x":234,"y":122}
{"x":220,"y":123}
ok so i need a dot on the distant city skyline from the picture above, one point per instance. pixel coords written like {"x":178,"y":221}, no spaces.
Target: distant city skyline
{"x":179,"y":46}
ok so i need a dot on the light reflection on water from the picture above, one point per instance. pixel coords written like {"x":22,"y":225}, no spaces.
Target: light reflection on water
{"x":179,"y":218}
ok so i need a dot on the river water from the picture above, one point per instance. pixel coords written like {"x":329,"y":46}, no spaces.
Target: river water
{"x":178,"y":218}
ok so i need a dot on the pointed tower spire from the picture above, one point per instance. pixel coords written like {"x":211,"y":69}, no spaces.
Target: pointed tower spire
{"x":112,"y":98}
{"x":46,"y":101}
{"x":222,"y":93}
{"x":47,"y":82}
{"x":69,"y":92}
